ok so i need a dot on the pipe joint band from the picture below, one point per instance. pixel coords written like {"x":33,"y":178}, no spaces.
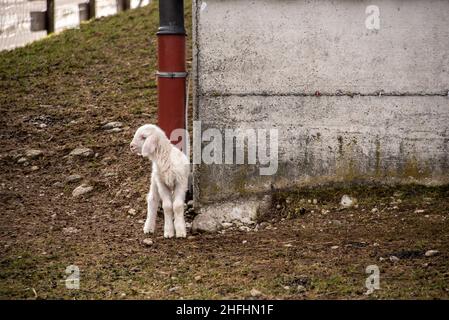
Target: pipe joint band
{"x":172,"y":74}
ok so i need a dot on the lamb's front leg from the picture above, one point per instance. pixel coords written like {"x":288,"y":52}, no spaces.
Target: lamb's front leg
{"x":153,"y":200}
{"x":178,"y":208}
{"x":167,"y":205}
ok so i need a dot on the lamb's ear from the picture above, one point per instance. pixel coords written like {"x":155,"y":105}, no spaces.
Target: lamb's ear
{"x":150,"y":145}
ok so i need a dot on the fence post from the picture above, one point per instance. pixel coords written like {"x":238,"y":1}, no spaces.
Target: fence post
{"x":92,"y":11}
{"x":50,"y":16}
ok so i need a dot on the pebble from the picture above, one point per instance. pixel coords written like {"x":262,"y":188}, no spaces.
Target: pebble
{"x":244,"y":241}
{"x":148,"y":242}
{"x":113,"y":125}
{"x":173,"y":289}
{"x":81,"y":190}
{"x":335,"y":247}
{"x":315,"y":201}
{"x":82,"y":152}
{"x":394,"y":259}
{"x":73,"y":178}
{"x":132,"y":212}
{"x":197,"y":278}
{"x":419,"y":211}
{"x":34,"y":168}
{"x":33,"y":153}
{"x":300,"y":288}
{"x":255,"y":293}
{"x":22,"y":160}
{"x":278,"y":206}
{"x":70,"y":230}
{"x":347,"y":201}
{"x":431,"y":253}
{"x":226,"y":225}
{"x":374,"y":210}
{"x":58,"y":184}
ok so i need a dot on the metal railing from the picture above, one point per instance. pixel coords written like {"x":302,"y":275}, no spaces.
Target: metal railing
{"x":24,"y":21}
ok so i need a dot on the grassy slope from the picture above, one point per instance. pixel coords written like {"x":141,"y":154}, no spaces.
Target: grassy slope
{"x":78,"y":80}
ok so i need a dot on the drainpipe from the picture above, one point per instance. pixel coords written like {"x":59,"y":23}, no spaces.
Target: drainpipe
{"x":171,"y":75}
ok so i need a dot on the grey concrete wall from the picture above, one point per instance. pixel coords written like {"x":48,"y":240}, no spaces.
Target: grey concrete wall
{"x":350,"y":103}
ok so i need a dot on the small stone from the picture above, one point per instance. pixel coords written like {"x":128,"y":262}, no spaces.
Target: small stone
{"x":315,"y":201}
{"x":73,"y":178}
{"x":22,"y":160}
{"x":374,"y":210}
{"x":300,"y":288}
{"x":226,"y":225}
{"x":42,"y":125}
{"x":197,"y":278}
{"x":286,"y":288}
{"x":347,"y":201}
{"x":33,"y":153}
{"x":278,"y":206}
{"x":244,"y":241}
{"x":141,"y":221}
{"x":264,"y":224}
{"x":394,"y":259}
{"x":113,"y":125}
{"x":288,"y":245}
{"x":70,"y":230}
{"x":58,"y":184}
{"x":81,"y":190}
{"x":288,"y":200}
{"x":431,"y":253}
{"x":204,"y":223}
{"x":132,"y":212}
{"x":190,"y":203}
{"x":419,"y":211}
{"x":173,"y":289}
{"x":255,"y":293}
{"x":115,"y":130}
{"x":335,"y":247}
{"x":148,"y":241}
{"x":34,"y":168}
{"x":82,"y":152}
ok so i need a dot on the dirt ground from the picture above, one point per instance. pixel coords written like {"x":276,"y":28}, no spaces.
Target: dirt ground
{"x":56,"y":95}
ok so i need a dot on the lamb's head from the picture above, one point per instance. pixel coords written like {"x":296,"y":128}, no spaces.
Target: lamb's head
{"x":147,"y":140}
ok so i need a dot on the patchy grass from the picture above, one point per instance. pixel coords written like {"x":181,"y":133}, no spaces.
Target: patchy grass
{"x":55,"y":95}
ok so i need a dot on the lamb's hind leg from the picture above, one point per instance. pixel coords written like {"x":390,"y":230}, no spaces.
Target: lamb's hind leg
{"x":153,"y":200}
{"x":178,"y":208}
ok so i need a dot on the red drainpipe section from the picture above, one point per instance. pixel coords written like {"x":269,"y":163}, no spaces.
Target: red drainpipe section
{"x":171,"y":75}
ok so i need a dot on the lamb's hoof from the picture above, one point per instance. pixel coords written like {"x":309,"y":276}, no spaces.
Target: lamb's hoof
{"x":169,"y":235}
{"x":147,"y":229}
{"x":181,"y":234}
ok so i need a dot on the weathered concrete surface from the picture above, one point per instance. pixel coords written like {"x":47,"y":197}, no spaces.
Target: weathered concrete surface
{"x":350,"y":104}
{"x":323,"y":139}
{"x":295,"y":47}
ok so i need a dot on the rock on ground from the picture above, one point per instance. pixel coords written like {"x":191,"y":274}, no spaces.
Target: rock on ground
{"x":431,"y":253}
{"x":215,"y":217}
{"x":113,"y":125}
{"x":81,"y":190}
{"x":82,"y":152}
{"x":347,"y":201}
{"x":33,"y":153}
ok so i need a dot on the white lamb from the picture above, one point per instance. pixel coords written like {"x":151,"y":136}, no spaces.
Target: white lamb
{"x":169,"y":179}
